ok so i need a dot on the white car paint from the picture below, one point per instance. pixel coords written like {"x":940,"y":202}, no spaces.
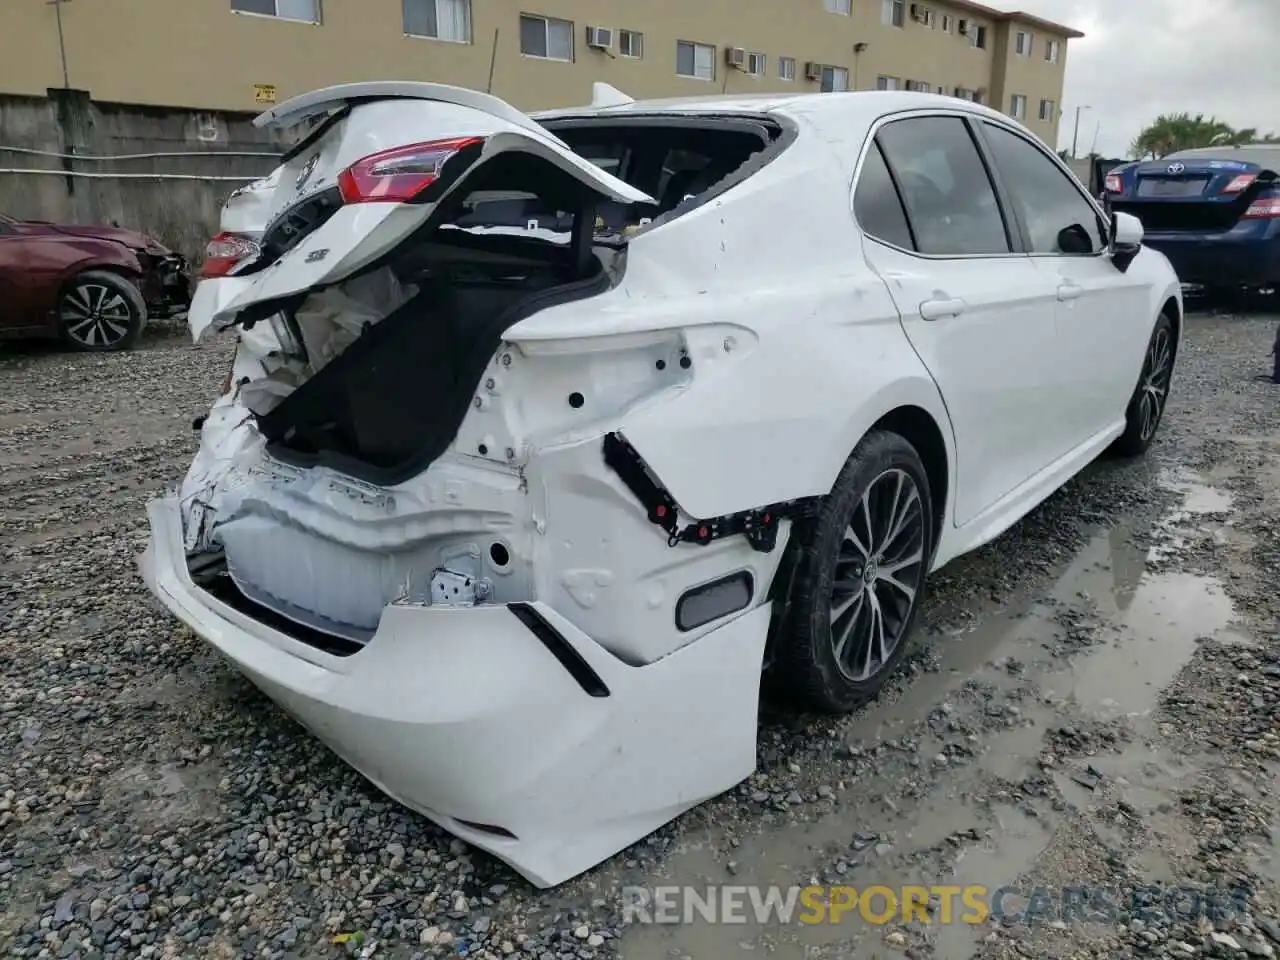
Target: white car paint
{"x":801,"y":334}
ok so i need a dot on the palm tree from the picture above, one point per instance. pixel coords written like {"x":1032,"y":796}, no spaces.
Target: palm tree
{"x":1181,"y":131}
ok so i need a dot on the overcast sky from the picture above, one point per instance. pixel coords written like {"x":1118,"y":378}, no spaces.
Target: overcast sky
{"x":1142,"y":58}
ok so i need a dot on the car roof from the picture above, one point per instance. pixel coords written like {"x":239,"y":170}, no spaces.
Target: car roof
{"x":1263,"y":154}
{"x":864,"y":106}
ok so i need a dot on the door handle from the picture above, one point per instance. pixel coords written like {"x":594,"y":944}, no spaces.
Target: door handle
{"x":1069,"y":291}
{"x":941,"y":309}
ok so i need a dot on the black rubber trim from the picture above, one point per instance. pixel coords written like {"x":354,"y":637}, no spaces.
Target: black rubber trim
{"x":319,"y":131}
{"x":561,"y":649}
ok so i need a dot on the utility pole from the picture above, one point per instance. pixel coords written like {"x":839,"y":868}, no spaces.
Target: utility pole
{"x":1075,"y":137}
{"x":62,"y":43}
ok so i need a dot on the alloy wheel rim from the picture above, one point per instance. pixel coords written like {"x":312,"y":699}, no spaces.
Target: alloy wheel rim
{"x":1154,"y":389}
{"x":95,"y":315}
{"x":880,"y":569}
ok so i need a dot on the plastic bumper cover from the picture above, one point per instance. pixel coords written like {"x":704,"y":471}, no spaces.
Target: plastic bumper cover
{"x":465,"y":716}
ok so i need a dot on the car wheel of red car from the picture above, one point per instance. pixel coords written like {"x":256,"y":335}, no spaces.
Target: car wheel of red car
{"x":101,"y":311}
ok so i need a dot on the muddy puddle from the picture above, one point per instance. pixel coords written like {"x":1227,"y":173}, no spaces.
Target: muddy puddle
{"x":1097,"y":650}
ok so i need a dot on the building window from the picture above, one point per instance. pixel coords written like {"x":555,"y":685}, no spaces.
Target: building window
{"x":977,"y":36}
{"x":546,"y":37}
{"x":756,"y":64}
{"x":631,"y":44}
{"x":786,"y":68}
{"x":946,"y":23}
{"x":964,"y":93}
{"x":838,"y":6}
{"x":835,"y":79}
{"x":1018,"y":106}
{"x":696,"y":60}
{"x":930,"y":19}
{"x":1052,"y":50}
{"x":1023,"y":44}
{"x":918,"y":86}
{"x":893,"y":12}
{"x":438,"y":19}
{"x":888,"y":83}
{"x":304,"y":11}
{"x":1047,"y":110}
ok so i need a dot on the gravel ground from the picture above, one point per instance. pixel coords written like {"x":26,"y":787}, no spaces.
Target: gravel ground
{"x":1093,"y":701}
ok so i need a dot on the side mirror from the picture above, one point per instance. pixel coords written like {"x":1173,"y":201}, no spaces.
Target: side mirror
{"x":1126,"y":238}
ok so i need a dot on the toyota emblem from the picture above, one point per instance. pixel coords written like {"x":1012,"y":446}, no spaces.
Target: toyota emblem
{"x":1176,"y":168}
{"x":305,"y":173}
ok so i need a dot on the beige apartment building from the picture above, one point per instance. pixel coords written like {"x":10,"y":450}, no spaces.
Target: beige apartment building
{"x":246,"y":54}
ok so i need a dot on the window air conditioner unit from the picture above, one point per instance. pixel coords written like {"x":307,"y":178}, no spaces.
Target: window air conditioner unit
{"x":963,"y":27}
{"x":736,"y":57}
{"x":813,"y":71}
{"x":599,"y":38}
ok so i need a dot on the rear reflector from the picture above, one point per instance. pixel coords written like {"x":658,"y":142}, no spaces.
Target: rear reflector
{"x":1264,"y":208}
{"x":400,"y":174}
{"x":225,"y":252}
{"x":1114,"y":183}
{"x":714,"y":600}
{"x":1240,"y":183}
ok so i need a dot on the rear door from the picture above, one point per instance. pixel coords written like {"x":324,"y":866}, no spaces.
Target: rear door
{"x":1102,"y":314}
{"x":976,"y":309}
{"x":340,"y":200}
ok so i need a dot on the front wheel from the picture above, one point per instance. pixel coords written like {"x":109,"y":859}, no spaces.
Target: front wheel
{"x":860,"y":578}
{"x":101,"y":311}
{"x":1146,"y":407}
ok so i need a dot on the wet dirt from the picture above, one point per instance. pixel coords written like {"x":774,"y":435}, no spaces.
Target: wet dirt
{"x":1093,"y":701}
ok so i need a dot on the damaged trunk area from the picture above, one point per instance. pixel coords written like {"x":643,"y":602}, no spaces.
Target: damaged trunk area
{"x":380,"y":372}
{"x":373,"y":377}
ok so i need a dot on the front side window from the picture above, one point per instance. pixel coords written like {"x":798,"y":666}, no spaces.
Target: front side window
{"x":1018,"y":106}
{"x":1057,"y":216}
{"x":304,"y":11}
{"x":835,"y":79}
{"x":696,"y":60}
{"x":877,"y":205}
{"x":438,"y":19}
{"x":546,"y":37}
{"x":893,"y":13}
{"x":950,"y":203}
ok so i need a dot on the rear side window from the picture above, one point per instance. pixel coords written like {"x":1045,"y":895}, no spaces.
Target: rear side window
{"x":950,"y":202}
{"x":877,"y":205}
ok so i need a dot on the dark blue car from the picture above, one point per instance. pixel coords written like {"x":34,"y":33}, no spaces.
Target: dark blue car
{"x":1214,"y":212}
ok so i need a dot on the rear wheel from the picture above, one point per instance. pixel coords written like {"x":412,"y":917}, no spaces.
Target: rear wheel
{"x":860,"y":578}
{"x":1146,"y":407}
{"x":101,"y":311}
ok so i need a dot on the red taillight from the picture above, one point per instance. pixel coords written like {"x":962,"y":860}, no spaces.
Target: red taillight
{"x":1265,"y":208}
{"x":1240,"y":183}
{"x":1114,"y":183}
{"x":400,"y":174}
{"x":225,"y":252}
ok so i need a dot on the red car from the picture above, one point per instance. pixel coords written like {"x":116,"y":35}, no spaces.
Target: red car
{"x":95,"y":287}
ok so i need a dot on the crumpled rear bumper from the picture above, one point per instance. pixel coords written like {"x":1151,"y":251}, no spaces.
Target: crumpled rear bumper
{"x":488,"y":722}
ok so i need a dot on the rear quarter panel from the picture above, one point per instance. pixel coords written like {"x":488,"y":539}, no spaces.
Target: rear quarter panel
{"x":775,"y":418}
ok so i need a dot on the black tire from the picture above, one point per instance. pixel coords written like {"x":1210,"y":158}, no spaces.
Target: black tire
{"x":99,"y":311}
{"x":805,"y":666}
{"x":1151,"y":395}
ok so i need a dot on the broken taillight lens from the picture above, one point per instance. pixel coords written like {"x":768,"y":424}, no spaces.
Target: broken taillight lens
{"x":1114,"y":183}
{"x":225,"y":252}
{"x":400,"y":174}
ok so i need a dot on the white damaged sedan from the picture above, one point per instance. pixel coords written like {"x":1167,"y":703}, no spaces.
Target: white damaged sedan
{"x":547,"y":437}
